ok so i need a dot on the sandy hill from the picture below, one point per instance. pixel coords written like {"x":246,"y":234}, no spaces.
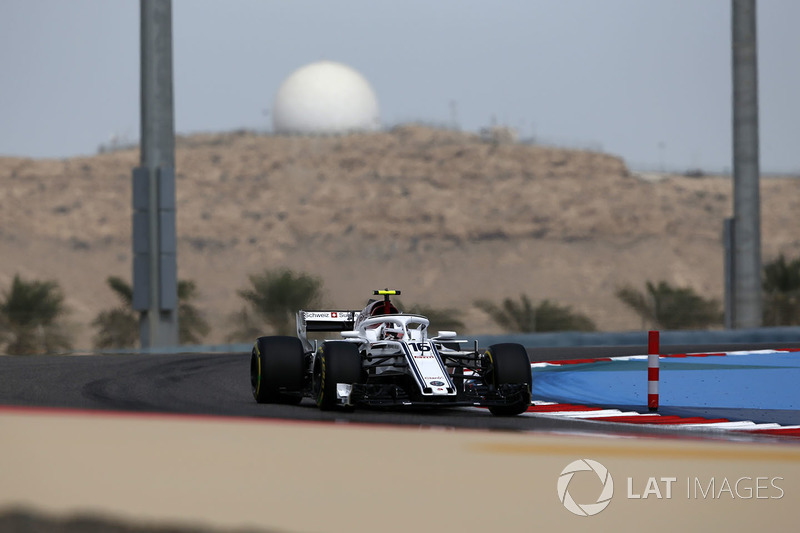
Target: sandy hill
{"x":445,"y":216}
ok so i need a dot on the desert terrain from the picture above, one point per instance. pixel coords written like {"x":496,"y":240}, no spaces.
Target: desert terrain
{"x":448,"y":217}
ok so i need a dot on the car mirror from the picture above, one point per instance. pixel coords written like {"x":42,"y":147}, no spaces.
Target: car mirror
{"x":446,"y":335}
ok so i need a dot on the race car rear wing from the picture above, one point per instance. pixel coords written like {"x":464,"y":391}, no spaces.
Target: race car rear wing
{"x":332,"y":320}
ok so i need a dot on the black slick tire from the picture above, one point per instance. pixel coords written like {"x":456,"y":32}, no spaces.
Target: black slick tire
{"x":509,"y":365}
{"x":335,"y":362}
{"x":276,"y":370}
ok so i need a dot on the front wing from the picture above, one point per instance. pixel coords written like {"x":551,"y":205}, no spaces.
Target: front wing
{"x":390,"y":395}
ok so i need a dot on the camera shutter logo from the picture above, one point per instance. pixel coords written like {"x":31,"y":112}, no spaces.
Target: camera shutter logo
{"x":585,"y":509}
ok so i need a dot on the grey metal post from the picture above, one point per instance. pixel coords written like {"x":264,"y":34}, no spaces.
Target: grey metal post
{"x":728,"y":231}
{"x":154,"y":240}
{"x":746,"y":200}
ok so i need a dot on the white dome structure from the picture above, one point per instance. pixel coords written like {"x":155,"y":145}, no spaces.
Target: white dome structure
{"x":325,"y":98}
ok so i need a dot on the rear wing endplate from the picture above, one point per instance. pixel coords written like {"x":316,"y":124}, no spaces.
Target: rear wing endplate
{"x":331,"y":320}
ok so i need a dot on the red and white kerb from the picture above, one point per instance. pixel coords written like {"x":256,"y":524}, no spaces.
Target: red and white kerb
{"x":652,"y":370}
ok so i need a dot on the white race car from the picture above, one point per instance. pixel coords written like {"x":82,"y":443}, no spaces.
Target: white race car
{"x":386,"y":358}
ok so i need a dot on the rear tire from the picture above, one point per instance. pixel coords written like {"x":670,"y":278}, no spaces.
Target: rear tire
{"x":509,"y":365}
{"x":276,"y":370}
{"x":336,"y":362}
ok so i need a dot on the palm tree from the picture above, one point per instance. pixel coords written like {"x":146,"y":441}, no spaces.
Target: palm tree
{"x":119,"y":327}
{"x":30,"y":314}
{"x":192,"y":325}
{"x":781,"y":286}
{"x":273,"y":298}
{"x":523,"y":316}
{"x":554,"y":317}
{"x":511,"y":316}
{"x":642,"y":304}
{"x":247,"y":326}
{"x":665,"y":307}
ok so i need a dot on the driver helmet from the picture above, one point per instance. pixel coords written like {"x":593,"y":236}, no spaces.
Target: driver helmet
{"x":394,"y":334}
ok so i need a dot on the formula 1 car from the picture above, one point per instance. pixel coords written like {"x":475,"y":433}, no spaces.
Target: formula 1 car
{"x":385,"y":358}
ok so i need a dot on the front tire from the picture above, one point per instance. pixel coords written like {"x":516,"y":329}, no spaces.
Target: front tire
{"x":276,"y":370}
{"x":336,"y":362}
{"x":509,"y":365}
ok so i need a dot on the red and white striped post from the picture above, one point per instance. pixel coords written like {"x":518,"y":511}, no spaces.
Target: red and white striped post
{"x":653,"y":350}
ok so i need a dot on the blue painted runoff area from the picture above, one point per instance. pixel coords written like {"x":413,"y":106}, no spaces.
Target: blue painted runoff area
{"x":759,"y":386}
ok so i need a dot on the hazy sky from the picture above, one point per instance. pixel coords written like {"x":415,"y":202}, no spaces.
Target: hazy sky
{"x":650,"y":81}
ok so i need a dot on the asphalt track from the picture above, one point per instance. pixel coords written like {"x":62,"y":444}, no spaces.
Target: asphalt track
{"x":218,"y":385}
